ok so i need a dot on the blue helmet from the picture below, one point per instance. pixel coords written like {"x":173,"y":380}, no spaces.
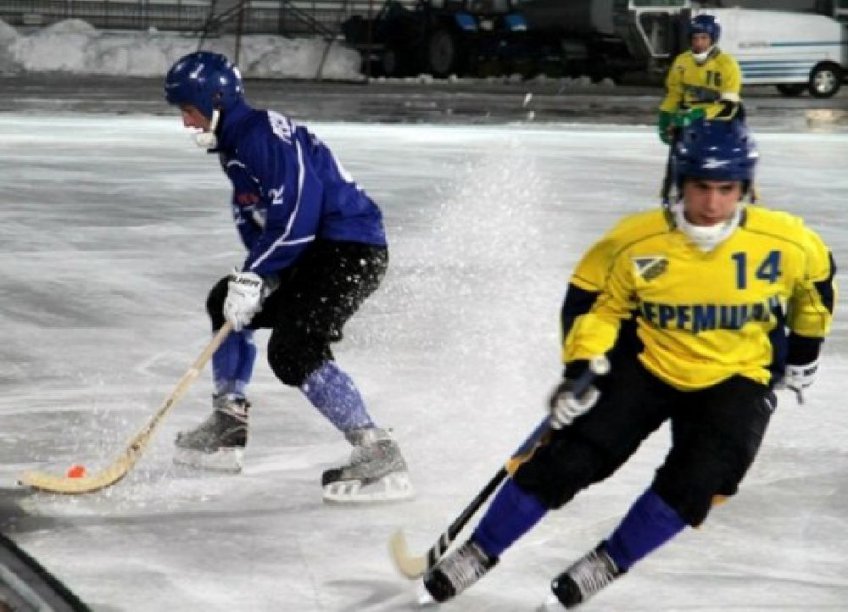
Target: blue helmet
{"x":717,"y":151}
{"x":706,"y":24}
{"x":204,"y":80}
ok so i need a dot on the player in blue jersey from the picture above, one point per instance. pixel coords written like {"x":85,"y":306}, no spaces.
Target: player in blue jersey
{"x":316,"y":249}
{"x":728,"y":298}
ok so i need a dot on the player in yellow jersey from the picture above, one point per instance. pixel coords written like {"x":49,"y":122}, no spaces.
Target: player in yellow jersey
{"x":727,"y":300}
{"x":702,"y":82}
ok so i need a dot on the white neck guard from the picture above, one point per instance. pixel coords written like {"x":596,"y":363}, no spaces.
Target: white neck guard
{"x":702,"y":57}
{"x":208,"y":140}
{"x":707,"y":237}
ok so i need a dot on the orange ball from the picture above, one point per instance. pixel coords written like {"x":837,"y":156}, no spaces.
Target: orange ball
{"x":76,"y":471}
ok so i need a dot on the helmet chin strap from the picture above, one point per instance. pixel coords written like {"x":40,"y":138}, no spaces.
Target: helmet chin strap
{"x":706,"y":237}
{"x":207,"y":138}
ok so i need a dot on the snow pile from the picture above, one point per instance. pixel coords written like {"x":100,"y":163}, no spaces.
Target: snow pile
{"x":7,"y":33}
{"x":74,"y":46}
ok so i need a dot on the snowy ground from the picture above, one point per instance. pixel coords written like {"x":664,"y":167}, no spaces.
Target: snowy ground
{"x":113,"y":228}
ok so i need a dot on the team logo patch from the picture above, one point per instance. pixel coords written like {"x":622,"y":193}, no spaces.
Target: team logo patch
{"x":651,"y":267}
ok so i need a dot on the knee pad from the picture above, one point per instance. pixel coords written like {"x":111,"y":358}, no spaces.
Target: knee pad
{"x":293,"y":355}
{"x":693,"y":488}
{"x":562,"y":468}
{"x":691,"y":497}
{"x":692,"y":506}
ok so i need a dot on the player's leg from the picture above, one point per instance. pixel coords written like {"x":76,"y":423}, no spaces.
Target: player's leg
{"x":218,"y":442}
{"x":713,"y":446}
{"x":589,"y":450}
{"x":329,"y":285}
{"x":715,"y":437}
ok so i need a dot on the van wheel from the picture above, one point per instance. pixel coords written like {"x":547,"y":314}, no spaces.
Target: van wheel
{"x":825,"y":80}
{"x":791,"y":90}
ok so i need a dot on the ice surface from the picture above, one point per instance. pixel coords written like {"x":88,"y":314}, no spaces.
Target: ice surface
{"x":114,"y":227}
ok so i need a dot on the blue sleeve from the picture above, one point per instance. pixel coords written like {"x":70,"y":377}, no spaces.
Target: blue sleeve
{"x":246,"y":197}
{"x":292,"y":192}
{"x":249,"y":230}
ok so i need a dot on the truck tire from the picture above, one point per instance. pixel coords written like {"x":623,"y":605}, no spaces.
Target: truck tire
{"x":441,"y":53}
{"x":791,"y":90}
{"x":825,"y":80}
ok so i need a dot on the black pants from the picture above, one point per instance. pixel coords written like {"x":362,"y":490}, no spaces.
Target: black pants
{"x":316,"y":296}
{"x":716,"y":433}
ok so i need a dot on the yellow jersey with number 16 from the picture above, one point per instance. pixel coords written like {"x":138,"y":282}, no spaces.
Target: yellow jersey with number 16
{"x":692,"y":85}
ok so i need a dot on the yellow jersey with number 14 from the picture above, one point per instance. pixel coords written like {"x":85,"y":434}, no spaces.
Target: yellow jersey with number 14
{"x":706,"y":316}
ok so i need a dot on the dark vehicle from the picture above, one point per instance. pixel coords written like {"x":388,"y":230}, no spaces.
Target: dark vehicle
{"x":440,"y":37}
{"x":596,"y":38}
{"x":605,"y":38}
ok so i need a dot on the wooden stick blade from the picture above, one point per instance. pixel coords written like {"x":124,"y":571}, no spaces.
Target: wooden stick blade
{"x":64,"y":485}
{"x":410,"y":566}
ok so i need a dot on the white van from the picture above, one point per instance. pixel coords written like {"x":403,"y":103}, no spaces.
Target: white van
{"x":793,"y":51}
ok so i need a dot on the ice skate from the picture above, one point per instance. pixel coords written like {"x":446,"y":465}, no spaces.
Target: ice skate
{"x":376,"y":472}
{"x":458,"y":571}
{"x":585,"y":578}
{"x":218,"y":443}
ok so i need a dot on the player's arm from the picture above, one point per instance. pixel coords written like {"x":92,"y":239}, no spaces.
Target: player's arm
{"x":578,"y":302}
{"x":597,"y":300}
{"x":293,"y":213}
{"x":584,"y":289}
{"x":249,"y":230}
{"x":243,"y":202}
{"x":596,"y":332}
{"x":586,"y":283}
{"x":673,"y":86}
{"x":810,"y":314}
{"x":591,"y":337}
{"x":730,"y":98}
{"x":672,"y":101}
{"x":811,"y":306}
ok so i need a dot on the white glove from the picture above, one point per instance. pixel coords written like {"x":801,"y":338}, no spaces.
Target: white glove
{"x":565,"y":406}
{"x":244,"y":298}
{"x":799,"y":377}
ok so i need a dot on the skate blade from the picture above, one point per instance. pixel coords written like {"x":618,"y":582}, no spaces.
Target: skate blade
{"x":423,"y":597}
{"x":228,"y":460}
{"x":551,"y":604}
{"x":392,"y":487}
